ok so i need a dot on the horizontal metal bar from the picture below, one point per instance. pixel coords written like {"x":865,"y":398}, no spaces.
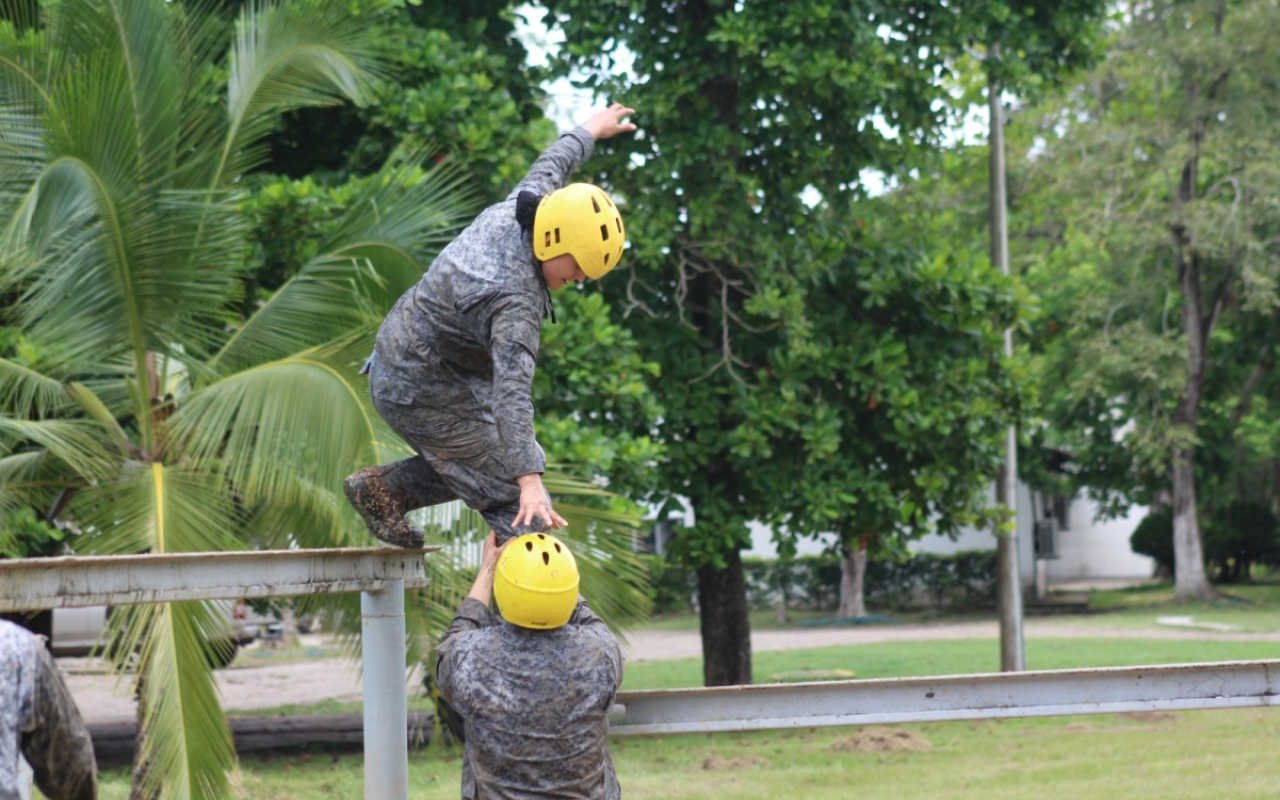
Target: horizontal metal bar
{"x":1178,"y":687}
{"x":30,"y":584}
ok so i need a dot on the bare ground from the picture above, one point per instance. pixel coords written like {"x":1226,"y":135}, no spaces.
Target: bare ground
{"x":103,"y":697}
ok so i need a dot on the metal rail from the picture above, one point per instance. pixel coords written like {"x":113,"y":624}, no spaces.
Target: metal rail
{"x":1180,"y":687}
{"x":73,"y":581}
{"x":380,"y":574}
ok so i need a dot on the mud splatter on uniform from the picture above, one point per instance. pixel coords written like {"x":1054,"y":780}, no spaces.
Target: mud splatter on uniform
{"x":535,"y":704}
{"x":39,"y":717}
{"x":452,"y":371}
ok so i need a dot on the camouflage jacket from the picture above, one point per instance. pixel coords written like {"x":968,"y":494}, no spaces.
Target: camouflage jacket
{"x":39,"y":718}
{"x":467,"y":334}
{"x":534,"y":704}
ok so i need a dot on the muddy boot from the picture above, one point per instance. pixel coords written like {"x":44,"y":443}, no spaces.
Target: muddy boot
{"x":381,"y":507}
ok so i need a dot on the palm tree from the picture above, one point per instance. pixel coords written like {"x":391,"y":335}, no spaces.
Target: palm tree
{"x":157,"y":419}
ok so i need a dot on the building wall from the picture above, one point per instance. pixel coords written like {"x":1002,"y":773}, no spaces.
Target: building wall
{"x":1087,"y":549}
{"x":1098,"y":549}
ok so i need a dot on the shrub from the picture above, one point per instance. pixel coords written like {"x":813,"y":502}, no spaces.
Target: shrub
{"x":1239,"y":536}
{"x":961,"y":580}
{"x":1154,"y":537}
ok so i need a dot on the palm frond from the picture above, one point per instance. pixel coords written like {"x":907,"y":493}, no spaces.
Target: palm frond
{"x":158,"y":508}
{"x":78,"y":444}
{"x":287,"y":56}
{"x":305,"y":416}
{"x":187,"y":746}
{"x":400,"y":221}
{"x":29,"y":479}
{"x":109,"y":272}
{"x":142,"y":40}
{"x":92,"y":404}
{"x":27,"y":393}
{"x":319,"y":304}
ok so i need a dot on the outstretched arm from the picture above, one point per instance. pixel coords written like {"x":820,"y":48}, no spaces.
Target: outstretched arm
{"x":552,"y":169}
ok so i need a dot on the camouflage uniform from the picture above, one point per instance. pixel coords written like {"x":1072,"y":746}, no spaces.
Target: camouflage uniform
{"x":39,"y":717}
{"x":452,"y":371}
{"x":535,"y":704}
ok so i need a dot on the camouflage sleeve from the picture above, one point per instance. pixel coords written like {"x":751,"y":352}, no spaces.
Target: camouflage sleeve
{"x":58,"y":747}
{"x":472,"y":616}
{"x":585,"y":619}
{"x":552,"y":169}
{"x":514,"y":325}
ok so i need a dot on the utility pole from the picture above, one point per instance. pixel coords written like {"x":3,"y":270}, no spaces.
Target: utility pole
{"x":1009,"y":594}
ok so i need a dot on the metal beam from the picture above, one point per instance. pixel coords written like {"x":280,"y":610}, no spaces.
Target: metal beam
{"x":67,"y":582}
{"x":1108,"y":690}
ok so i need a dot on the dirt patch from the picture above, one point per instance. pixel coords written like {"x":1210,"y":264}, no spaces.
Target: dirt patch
{"x":882,"y":740}
{"x":1080,"y":727}
{"x":741,"y":762}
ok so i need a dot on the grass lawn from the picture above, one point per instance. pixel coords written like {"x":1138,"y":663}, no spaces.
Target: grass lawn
{"x":1201,"y":755}
{"x":955,"y":657}
{"x":1204,"y":754}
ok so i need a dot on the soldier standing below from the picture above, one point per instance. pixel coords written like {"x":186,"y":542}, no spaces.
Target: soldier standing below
{"x":535,"y":686}
{"x":39,"y":718}
{"x":452,"y":372}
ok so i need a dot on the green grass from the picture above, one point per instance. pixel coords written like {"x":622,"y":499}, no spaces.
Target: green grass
{"x":1187,"y":756}
{"x":1206,"y":754}
{"x":955,"y":657}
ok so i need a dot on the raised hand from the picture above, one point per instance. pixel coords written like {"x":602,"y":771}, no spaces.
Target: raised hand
{"x":606,"y":123}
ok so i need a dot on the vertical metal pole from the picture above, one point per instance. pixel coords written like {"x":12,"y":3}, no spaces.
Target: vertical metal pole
{"x":386,"y":707}
{"x":1012,"y":658}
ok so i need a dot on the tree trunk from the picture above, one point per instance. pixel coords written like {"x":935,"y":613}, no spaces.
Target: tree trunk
{"x":726,"y":628}
{"x":853,"y":573}
{"x":1188,"y":551}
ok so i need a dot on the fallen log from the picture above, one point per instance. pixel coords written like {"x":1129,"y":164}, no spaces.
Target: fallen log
{"x":114,"y":740}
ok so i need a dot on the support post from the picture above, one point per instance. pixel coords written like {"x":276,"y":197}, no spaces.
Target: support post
{"x":386,"y":707}
{"x":1009,"y":592}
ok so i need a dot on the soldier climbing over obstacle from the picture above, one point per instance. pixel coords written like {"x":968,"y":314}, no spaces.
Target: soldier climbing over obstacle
{"x":452,"y":370}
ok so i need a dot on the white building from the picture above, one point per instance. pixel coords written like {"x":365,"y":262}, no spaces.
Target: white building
{"x":1087,"y":550}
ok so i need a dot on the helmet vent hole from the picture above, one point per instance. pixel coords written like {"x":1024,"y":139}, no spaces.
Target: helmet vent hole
{"x":618,"y":222}
{"x":557,"y":236}
{"x":604,"y":233}
{"x":548,"y":242}
{"x":540,"y":536}
{"x":606,"y":259}
{"x":528,"y":546}
{"x":546,"y":558}
{"x":595,"y":205}
{"x":557,"y":547}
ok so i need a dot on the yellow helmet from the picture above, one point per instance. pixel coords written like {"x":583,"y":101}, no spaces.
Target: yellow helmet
{"x":536,"y":582}
{"x":582,"y":221}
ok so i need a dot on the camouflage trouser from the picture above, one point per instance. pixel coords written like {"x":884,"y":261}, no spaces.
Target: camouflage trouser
{"x":457,"y":460}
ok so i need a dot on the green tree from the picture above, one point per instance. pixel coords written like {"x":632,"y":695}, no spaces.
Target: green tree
{"x":456,"y":81}
{"x":748,"y":110}
{"x":744,"y":107}
{"x":1167,"y":239}
{"x":899,"y":406}
{"x":146,"y":406}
